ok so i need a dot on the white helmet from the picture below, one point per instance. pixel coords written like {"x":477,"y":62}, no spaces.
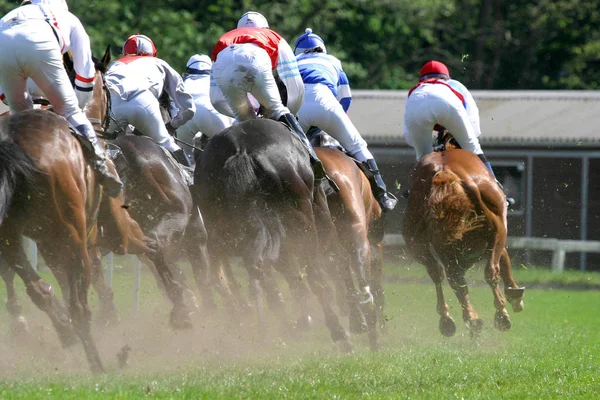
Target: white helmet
{"x":252,"y":19}
{"x":59,"y":4}
{"x":198,"y":63}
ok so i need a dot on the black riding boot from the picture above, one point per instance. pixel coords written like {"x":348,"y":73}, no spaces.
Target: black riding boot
{"x":317,"y":165}
{"x":386,"y":200}
{"x":111,"y":183}
{"x":181,"y":158}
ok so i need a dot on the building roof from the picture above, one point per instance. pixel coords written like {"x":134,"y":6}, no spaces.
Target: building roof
{"x":565,"y":118}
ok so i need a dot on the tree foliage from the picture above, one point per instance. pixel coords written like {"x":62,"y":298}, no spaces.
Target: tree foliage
{"x":487,"y":44}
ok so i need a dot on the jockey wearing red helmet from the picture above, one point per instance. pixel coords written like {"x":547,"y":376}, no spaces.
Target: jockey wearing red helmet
{"x":439,"y":100}
{"x":135,"y":82}
{"x":251,"y":53}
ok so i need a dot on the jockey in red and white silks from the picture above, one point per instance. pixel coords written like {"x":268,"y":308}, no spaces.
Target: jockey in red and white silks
{"x":33,"y":38}
{"x":439,"y":100}
{"x":206,"y":119}
{"x":244,"y":61}
{"x":135,"y":82}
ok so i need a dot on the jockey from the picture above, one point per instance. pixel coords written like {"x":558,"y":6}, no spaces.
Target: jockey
{"x":135,"y":82}
{"x":440,"y":101}
{"x":244,"y":62}
{"x":206,"y":119}
{"x":327,"y":98}
{"x":33,"y":38}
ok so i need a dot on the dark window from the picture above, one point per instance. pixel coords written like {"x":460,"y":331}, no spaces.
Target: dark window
{"x":511,"y":174}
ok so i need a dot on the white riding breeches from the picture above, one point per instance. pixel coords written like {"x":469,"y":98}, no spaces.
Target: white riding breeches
{"x":428,"y":105}
{"x":30,"y":49}
{"x":143,"y":112}
{"x":323,"y":110}
{"x":246,"y":68}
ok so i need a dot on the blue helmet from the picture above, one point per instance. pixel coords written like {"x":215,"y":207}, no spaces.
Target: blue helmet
{"x":309,"y":41}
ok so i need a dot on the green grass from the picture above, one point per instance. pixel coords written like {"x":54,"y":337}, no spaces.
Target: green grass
{"x":552,"y":351}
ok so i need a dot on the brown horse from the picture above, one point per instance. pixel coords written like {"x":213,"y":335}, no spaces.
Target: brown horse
{"x":455,"y":217}
{"x":357,"y":218}
{"x":48,"y":193}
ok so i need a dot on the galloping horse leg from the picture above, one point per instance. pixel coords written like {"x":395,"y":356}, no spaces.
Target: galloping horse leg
{"x":436,"y":273}
{"x":377,"y":285}
{"x":458,"y":283}
{"x":40,"y":292}
{"x":273,"y":294}
{"x":514,"y":293}
{"x":19,"y":326}
{"x":492,"y":276}
{"x":299,"y":291}
{"x":255,"y":276}
{"x":180,"y":315}
{"x":108,"y":311}
{"x":195,"y":247}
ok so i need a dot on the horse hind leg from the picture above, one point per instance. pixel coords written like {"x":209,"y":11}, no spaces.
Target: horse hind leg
{"x":436,"y":273}
{"x":514,"y":293}
{"x":108,"y":311}
{"x":492,"y":276}
{"x":458,"y":283}
{"x":19,"y":326}
{"x":39,"y":291}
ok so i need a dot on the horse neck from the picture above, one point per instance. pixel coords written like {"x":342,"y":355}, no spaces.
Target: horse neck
{"x":95,"y":110}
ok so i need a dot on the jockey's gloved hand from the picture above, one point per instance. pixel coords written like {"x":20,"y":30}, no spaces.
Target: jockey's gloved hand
{"x":172,"y":131}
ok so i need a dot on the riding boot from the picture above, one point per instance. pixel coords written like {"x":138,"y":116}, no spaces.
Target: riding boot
{"x":317,"y":165}
{"x":386,"y":200}
{"x":181,"y":158}
{"x":485,"y":161}
{"x":111,"y":183}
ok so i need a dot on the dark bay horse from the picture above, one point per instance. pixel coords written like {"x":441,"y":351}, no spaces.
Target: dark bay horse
{"x":357,"y":218}
{"x":455,"y":217}
{"x":48,"y":193}
{"x":255,"y":187}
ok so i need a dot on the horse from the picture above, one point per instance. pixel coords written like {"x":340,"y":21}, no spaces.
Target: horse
{"x":455,"y":217}
{"x":48,"y":193}
{"x":357,"y":217}
{"x":255,"y":187}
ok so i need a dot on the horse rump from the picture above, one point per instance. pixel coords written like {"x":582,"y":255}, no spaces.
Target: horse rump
{"x":449,"y":210}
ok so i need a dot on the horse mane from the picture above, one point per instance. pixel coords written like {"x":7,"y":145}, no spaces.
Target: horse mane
{"x":449,"y":208}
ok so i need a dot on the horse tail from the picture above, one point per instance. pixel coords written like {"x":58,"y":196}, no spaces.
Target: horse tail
{"x":16,"y":172}
{"x":262,"y":225}
{"x":449,"y":209}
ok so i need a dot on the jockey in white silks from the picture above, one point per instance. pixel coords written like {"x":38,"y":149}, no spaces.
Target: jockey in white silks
{"x":438,"y":101}
{"x":136,"y":82}
{"x":33,"y":38}
{"x":327,"y":98}
{"x":206,"y":120}
{"x":244,"y":62}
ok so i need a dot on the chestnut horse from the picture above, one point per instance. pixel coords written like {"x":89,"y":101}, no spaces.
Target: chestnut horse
{"x":255,"y":187}
{"x":48,"y":193}
{"x":357,"y":218}
{"x":455,"y":217}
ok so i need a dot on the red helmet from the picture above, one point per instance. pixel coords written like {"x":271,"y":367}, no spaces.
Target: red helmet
{"x":434,"y":68}
{"x":140,"y":45}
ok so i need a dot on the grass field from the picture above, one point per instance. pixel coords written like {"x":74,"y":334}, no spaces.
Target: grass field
{"x":552,"y":351}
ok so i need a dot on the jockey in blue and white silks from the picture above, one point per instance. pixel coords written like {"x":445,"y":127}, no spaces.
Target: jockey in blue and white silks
{"x":327,"y":98}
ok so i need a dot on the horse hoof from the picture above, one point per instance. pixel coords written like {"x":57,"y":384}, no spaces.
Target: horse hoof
{"x":518,"y":306}
{"x":447,"y":326}
{"x":502,"y":322}
{"x":475,"y":325}
{"x":346,"y":347}
{"x":304,"y":323}
{"x":515,"y":298}
{"x":19,"y":330}
{"x":180,"y":320}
